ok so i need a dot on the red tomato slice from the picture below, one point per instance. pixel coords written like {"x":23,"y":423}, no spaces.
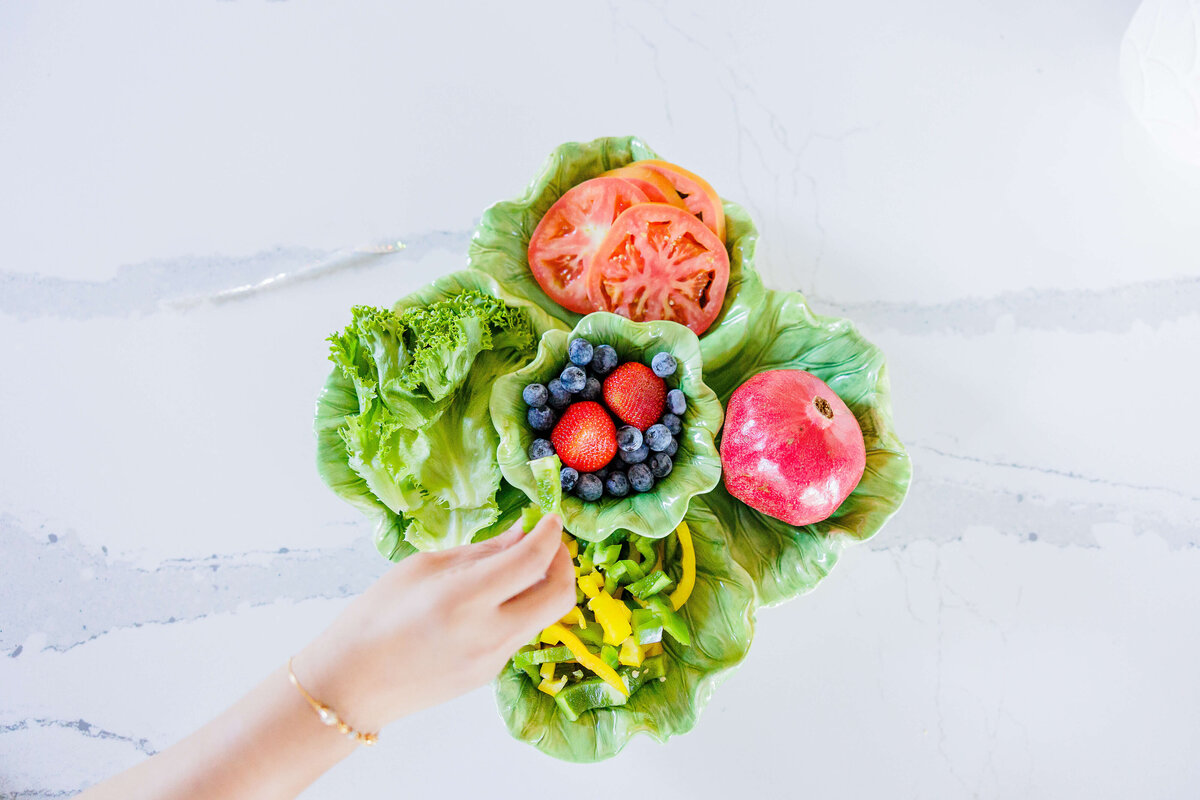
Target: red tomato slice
{"x":698,"y":196}
{"x":660,"y":262}
{"x":657,"y":188}
{"x":566,"y":238}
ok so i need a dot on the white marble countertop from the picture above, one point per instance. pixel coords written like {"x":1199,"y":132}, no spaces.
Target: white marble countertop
{"x":964,"y":181}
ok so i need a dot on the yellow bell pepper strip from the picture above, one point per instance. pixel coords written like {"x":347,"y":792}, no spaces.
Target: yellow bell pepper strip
{"x":591,"y":583}
{"x":574,"y":617}
{"x":688,"y":562}
{"x":572,"y":545}
{"x":547,"y":638}
{"x":585,"y":658}
{"x":548,"y":684}
{"x":613,"y":616}
{"x":654,"y":649}
{"x":631,"y":654}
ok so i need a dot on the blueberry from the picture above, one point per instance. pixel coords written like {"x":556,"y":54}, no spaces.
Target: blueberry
{"x":676,"y":402}
{"x":604,"y":360}
{"x":589,"y":487}
{"x":540,"y":419}
{"x":601,"y":473}
{"x":658,"y":437}
{"x":640,"y":478}
{"x":580,"y":352}
{"x":540,"y":449}
{"x":535,"y":395}
{"x":573,"y":379}
{"x":567,"y":478}
{"x":591,"y":390}
{"x":617,"y":484}
{"x":560,"y":398}
{"x":660,"y":465}
{"x":673,"y":423}
{"x":672,"y":448}
{"x":663,"y":365}
{"x":634,"y":456}
{"x":629,"y":438}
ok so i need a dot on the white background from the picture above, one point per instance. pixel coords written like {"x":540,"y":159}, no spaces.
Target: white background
{"x":962,"y":179}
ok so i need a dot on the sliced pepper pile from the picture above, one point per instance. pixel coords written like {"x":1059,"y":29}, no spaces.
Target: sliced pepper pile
{"x":611,"y":642}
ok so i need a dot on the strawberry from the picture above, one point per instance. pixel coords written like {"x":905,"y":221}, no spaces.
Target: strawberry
{"x":585,"y":438}
{"x":635,"y":394}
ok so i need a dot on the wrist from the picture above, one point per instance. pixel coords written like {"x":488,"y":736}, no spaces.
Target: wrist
{"x":333,"y":675}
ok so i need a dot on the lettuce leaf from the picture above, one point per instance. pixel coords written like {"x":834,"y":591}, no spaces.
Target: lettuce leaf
{"x":418,"y":439}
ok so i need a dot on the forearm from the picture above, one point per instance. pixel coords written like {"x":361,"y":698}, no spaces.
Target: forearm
{"x":435,"y":626}
{"x":268,"y":745}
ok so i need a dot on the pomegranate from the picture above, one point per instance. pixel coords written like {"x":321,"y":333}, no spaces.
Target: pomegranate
{"x":791,"y":448}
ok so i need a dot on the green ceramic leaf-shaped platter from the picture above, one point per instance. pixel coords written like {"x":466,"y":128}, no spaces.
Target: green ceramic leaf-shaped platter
{"x":720,"y":617}
{"x":697,"y":464}
{"x":785,"y":560}
{"x":745,"y":559}
{"x":501,"y":241}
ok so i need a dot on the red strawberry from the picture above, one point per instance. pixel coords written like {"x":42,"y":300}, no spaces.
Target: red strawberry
{"x":585,"y":438}
{"x":635,"y":394}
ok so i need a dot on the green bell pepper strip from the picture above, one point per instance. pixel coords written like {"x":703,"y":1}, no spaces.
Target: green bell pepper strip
{"x":672,"y":622}
{"x":543,"y":656}
{"x":647,"y":627}
{"x":652,"y":584}
{"x":620,"y":573}
{"x":592,"y":635}
{"x":646,"y":548}
{"x":609,"y":654}
{"x":529,"y":517}
{"x":592,"y":693}
{"x":529,"y":669}
{"x":546,"y":472}
{"x":607,"y":556}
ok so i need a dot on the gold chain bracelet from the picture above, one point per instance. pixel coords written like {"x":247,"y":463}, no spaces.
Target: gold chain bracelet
{"x":328,"y":716}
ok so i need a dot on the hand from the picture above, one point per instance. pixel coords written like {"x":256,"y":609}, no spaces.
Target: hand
{"x":438,"y":625}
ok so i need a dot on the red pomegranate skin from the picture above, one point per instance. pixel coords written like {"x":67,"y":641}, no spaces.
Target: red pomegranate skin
{"x":791,"y":448}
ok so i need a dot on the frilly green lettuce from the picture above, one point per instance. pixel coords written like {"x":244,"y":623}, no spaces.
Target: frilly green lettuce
{"x":403,"y":425}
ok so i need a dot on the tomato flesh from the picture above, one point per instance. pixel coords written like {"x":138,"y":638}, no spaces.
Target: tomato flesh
{"x":660,"y":262}
{"x":698,"y":195}
{"x":562,"y":247}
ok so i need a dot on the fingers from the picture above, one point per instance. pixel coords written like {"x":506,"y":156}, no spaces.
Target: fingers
{"x":494,"y":545}
{"x":514,"y":569}
{"x":545,"y":602}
